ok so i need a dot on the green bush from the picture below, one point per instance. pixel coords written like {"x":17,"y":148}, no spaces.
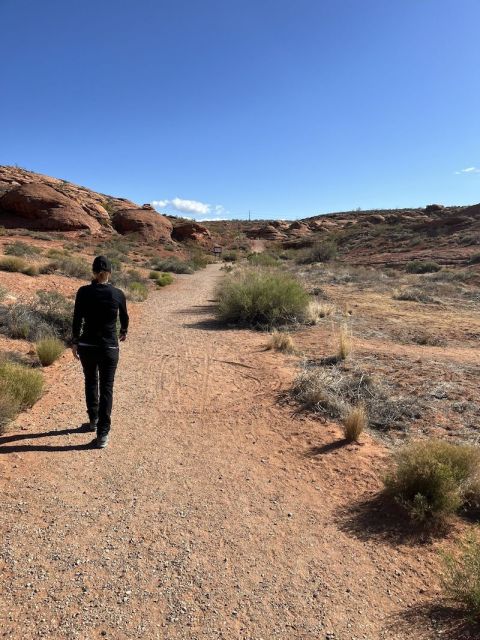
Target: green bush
{"x":24,"y":384}
{"x":21,"y":249}
{"x":230,"y":256}
{"x":9,"y":404}
{"x":262,"y":260}
{"x":198,"y":259}
{"x":261,"y":298}
{"x":462,"y":576}
{"x":422,"y":266}
{"x":475,"y":259}
{"x":49,"y":350}
{"x":172,"y":265}
{"x":164,"y":279}
{"x":320,"y":252}
{"x":433,"y":479}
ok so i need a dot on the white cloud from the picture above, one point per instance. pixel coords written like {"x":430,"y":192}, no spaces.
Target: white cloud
{"x":468,"y":170}
{"x":193,"y":207}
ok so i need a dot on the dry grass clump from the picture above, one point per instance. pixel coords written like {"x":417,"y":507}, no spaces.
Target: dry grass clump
{"x":334,"y":391}
{"x":20,"y":388}
{"x":18,"y":265}
{"x":261,"y":298}
{"x":49,"y":350}
{"x":355,"y":423}
{"x":316,"y":311}
{"x":281,"y":341}
{"x":462,"y":578}
{"x":414,"y":294}
{"x":344,"y":343}
{"x":433,"y":479}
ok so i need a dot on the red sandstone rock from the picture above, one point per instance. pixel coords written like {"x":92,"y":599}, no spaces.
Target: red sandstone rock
{"x":146,"y":222}
{"x":191,"y":231}
{"x":39,"y":206}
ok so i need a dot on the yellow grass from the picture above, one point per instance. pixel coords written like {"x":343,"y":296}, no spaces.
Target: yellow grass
{"x":318,"y":310}
{"x":344,"y":343}
{"x":354,"y":423}
{"x":281,"y":341}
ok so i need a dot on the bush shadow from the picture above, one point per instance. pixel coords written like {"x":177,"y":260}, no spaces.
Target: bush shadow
{"x":379,"y":518}
{"x":450,"y":623}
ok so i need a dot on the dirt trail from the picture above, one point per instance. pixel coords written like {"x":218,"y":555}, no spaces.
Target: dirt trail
{"x":204,"y":519}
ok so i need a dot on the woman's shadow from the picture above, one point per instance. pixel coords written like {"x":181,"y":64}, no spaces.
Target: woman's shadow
{"x":6,"y":447}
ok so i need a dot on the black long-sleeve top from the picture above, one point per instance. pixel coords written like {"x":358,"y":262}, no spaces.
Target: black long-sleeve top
{"x":97,"y":307}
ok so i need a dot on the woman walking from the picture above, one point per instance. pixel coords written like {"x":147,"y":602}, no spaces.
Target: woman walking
{"x":95,"y":343}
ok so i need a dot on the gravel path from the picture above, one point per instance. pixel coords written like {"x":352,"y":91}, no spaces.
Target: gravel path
{"x":202,"y":520}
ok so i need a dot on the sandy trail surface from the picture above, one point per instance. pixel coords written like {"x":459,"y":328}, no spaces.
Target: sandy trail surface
{"x":216,"y":511}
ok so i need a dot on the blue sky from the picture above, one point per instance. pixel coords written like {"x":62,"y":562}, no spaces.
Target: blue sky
{"x":212,"y":108}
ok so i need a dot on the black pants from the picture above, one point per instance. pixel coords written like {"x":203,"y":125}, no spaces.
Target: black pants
{"x":99,"y":366}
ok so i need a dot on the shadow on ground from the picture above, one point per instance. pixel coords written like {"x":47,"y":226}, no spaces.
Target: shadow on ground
{"x":7,"y":446}
{"x":379,"y":518}
{"x":448,"y":622}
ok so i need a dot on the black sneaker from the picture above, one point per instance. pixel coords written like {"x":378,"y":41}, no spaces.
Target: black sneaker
{"x":88,"y":427}
{"x":101,"y":442}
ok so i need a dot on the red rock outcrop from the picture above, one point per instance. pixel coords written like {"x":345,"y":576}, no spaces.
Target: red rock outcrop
{"x":192,"y":231}
{"x":39,"y":206}
{"x":144,"y":221}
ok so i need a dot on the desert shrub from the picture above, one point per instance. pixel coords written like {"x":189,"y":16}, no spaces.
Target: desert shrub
{"x":16,"y":264}
{"x":164,"y":279}
{"x":25,"y":384}
{"x":21,"y":249}
{"x":9,"y":404}
{"x":73,"y":267}
{"x":422,"y":266}
{"x":462,"y":575}
{"x":136,"y":291}
{"x":474,"y":259}
{"x":199,"y":259}
{"x":57,"y":311}
{"x":57,"y":253}
{"x":281,"y":341}
{"x":320,"y":252}
{"x":230,"y":256}
{"x":3,"y":293}
{"x":259,"y":298}
{"x":31,"y":270}
{"x":49,"y":350}
{"x":333,"y":391}
{"x":354,"y":423}
{"x":50,"y":315}
{"x":172,"y":265}
{"x":432,"y":479}
{"x":414,"y":294}
{"x":262,"y":260}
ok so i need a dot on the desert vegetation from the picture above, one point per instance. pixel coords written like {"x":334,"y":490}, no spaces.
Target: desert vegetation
{"x":433,"y":479}
{"x":261,"y":298}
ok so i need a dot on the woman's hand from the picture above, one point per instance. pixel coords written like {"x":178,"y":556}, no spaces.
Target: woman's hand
{"x":75,"y":352}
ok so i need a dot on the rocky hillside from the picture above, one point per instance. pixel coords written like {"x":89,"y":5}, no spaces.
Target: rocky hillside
{"x":391,"y":237}
{"x":34,"y":201}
